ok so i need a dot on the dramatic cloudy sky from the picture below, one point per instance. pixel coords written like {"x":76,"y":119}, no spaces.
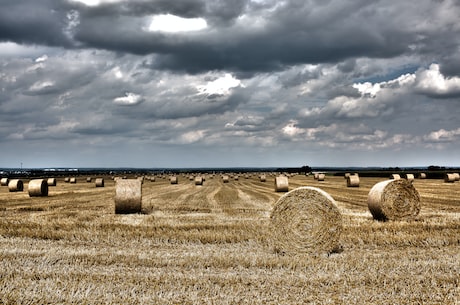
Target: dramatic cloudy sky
{"x":191,"y":83}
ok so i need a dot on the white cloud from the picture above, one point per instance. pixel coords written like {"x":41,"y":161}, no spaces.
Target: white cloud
{"x":220,"y":86}
{"x":192,"y":136}
{"x":129,"y":99}
{"x":443,"y":135}
{"x":174,"y":24}
{"x":96,"y":2}
{"x":41,"y":58}
{"x":431,"y":81}
{"x":39,"y":86}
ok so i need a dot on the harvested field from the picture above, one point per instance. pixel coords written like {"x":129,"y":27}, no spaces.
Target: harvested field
{"x":209,"y":245}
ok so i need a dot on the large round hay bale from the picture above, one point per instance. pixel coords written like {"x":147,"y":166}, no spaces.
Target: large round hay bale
{"x":353,"y":181}
{"x":99,"y":182}
{"x":457,"y":176}
{"x":395,"y":176}
{"x":38,"y":188}
{"x":393,"y":200}
{"x":4,"y":181}
{"x":173,"y":179}
{"x":449,"y":177}
{"x":346,"y":175}
{"x":128,"y":196}
{"x":51,"y":181}
{"x":321,"y":177}
{"x":306,"y":220}
{"x":67,"y":179}
{"x":15,"y":185}
{"x":281,"y":184}
{"x":422,"y":176}
{"x":198,"y":180}
{"x":410,"y":177}
{"x":73,"y":180}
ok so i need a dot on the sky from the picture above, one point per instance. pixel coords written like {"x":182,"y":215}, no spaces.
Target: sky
{"x":242,"y":83}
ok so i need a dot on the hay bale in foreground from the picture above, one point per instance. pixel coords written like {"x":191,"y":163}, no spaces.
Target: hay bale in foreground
{"x":15,"y":185}
{"x":51,"y":181}
{"x":38,"y":188}
{"x":393,"y":200}
{"x":353,"y":181}
{"x":128,"y":196}
{"x":306,"y":220}
{"x":99,"y":182}
{"x":281,"y":184}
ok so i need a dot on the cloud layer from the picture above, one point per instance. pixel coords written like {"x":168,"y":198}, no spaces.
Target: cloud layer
{"x":264,"y":83}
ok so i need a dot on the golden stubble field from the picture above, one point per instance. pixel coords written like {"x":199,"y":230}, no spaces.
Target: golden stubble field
{"x":210,"y":244}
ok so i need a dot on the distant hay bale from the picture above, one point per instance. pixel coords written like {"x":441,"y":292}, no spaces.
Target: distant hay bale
{"x":225,"y":179}
{"x":89,"y":179}
{"x":128,"y":196}
{"x":281,"y":184}
{"x":457,"y":176}
{"x":51,"y":181}
{"x":4,"y":181}
{"x":315,"y":176}
{"x":38,"y":188}
{"x":173,"y":179}
{"x":263,"y":178}
{"x":422,"y":176}
{"x":15,"y":185}
{"x":393,"y":200}
{"x":395,"y":176}
{"x":410,"y":177}
{"x":321,"y":177}
{"x":306,"y":220}
{"x":449,"y":177}
{"x":346,"y":175}
{"x":236,"y":177}
{"x":67,"y":179}
{"x":73,"y":180}
{"x":353,"y":181}
{"x":99,"y":182}
{"x":198,"y":180}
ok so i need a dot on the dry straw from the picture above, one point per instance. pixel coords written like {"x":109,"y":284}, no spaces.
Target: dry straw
{"x":38,"y":188}
{"x":99,"y":182}
{"x":306,"y":220}
{"x":51,"y":181}
{"x":15,"y":185}
{"x":128,"y":196}
{"x":4,"y":181}
{"x":353,"y":180}
{"x":281,"y":184}
{"x":393,"y":200}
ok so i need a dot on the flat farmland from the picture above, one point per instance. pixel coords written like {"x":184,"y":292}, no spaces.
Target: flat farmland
{"x":210,"y":244}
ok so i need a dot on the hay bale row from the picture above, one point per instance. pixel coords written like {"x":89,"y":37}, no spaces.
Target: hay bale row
{"x":305,"y":220}
{"x":393,"y":200}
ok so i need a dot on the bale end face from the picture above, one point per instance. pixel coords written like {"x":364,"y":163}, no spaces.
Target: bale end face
{"x":128,"y":196}
{"x":306,"y":220}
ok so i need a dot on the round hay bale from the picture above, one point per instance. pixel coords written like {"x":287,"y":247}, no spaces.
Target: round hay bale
{"x":4,"y":181}
{"x":173,"y":179}
{"x":346,"y":175}
{"x":67,"y":179}
{"x":15,"y":185}
{"x":38,"y":188}
{"x":263,"y":178}
{"x":393,"y":200}
{"x":128,"y":196}
{"x":198,"y":180}
{"x":306,"y":220}
{"x":99,"y":182}
{"x":89,"y":179}
{"x":236,"y":178}
{"x":449,"y":177}
{"x":225,"y":179}
{"x":321,"y":177}
{"x":353,"y":181}
{"x":315,"y":176}
{"x":395,"y":176}
{"x":51,"y":181}
{"x":422,"y":176}
{"x":73,"y":180}
{"x":410,"y":177}
{"x":281,"y":184}
{"x":457,"y":176}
